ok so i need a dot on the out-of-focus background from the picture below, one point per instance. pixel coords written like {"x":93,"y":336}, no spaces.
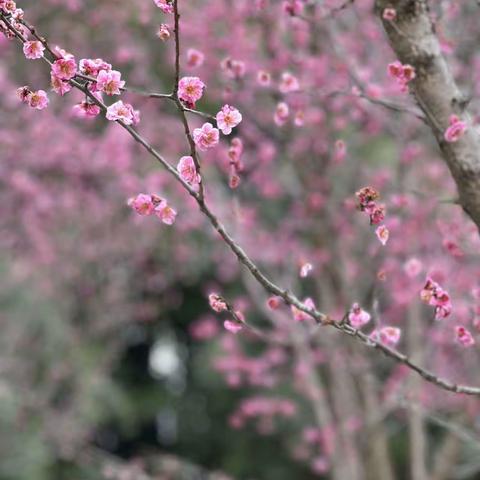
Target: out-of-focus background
{"x":112,"y":364}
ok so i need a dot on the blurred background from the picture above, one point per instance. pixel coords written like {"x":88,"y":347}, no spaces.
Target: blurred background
{"x":112,"y":364}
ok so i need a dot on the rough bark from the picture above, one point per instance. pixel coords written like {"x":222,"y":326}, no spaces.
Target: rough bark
{"x":412,"y":37}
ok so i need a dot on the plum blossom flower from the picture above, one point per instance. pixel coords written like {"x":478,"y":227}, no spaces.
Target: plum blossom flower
{"x":206,"y":137}
{"x":358,"y":317}
{"x":187,"y":170}
{"x":59,"y":86}
{"x":274,"y":303}
{"x":282,"y":111}
{"x":412,"y":267}
{"x":227,"y":118}
{"x":389,"y":14}
{"x":300,"y":315}
{"x":234,"y":69}
{"x":195,"y":58}
{"x":64,"y":68}
{"x":110,"y":82}
{"x":86,"y":109}
{"x":402,"y":73}
{"x":292,"y":7}
{"x":33,"y":50}
{"x":164,"y":5}
{"x":387,"y":335}
{"x":142,"y":204}
{"x":123,"y":112}
{"x":305,"y":269}
{"x":264,"y":78}
{"x":190,"y":89}
{"x":37,"y":100}
{"x":455,"y":130}
{"x":232,"y":326}
{"x":163,"y":32}
{"x":433,"y":294}
{"x":288,"y":83}
{"x":217,"y":303}
{"x":92,"y":67}
{"x":165,"y":212}
{"x":382,"y":234}
{"x":464,"y":337}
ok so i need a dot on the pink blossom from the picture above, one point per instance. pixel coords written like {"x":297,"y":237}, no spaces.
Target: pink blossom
{"x":232,"y":326}
{"x":206,"y":137}
{"x":227,"y":118}
{"x":293,"y":7}
{"x":264,"y":78}
{"x":217,"y":303}
{"x":38,"y":100}
{"x":402,"y":73}
{"x":274,"y":303}
{"x":190,"y":89}
{"x":464,"y":337}
{"x":164,"y":5}
{"x":195,"y":58}
{"x":235,"y":69}
{"x":456,"y":129}
{"x":59,"y":86}
{"x":165,"y":213}
{"x":300,"y":315}
{"x":389,"y":14}
{"x":288,"y":83}
{"x":382,"y":234}
{"x":23,"y":93}
{"x":163,"y":32}
{"x":33,"y":49}
{"x":86,"y":109}
{"x":142,"y":204}
{"x":413,"y":267}
{"x":64,"y":68}
{"x":435,"y":296}
{"x":110,"y":82}
{"x":187,"y":170}
{"x":92,"y":67}
{"x":123,"y":112}
{"x":282,"y":111}
{"x":305,"y":269}
{"x":377,"y":214}
{"x":358,"y":317}
{"x":389,"y":335}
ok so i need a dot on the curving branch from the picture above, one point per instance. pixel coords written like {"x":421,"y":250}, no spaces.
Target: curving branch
{"x":412,"y":37}
{"x":271,"y":287}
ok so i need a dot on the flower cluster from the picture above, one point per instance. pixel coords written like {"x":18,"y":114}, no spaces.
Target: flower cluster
{"x":455,"y":130}
{"x":358,"y":317}
{"x":37,"y":100}
{"x":437,"y":297}
{"x":367,"y":198}
{"x":145,"y":204}
{"x":402,"y":73}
